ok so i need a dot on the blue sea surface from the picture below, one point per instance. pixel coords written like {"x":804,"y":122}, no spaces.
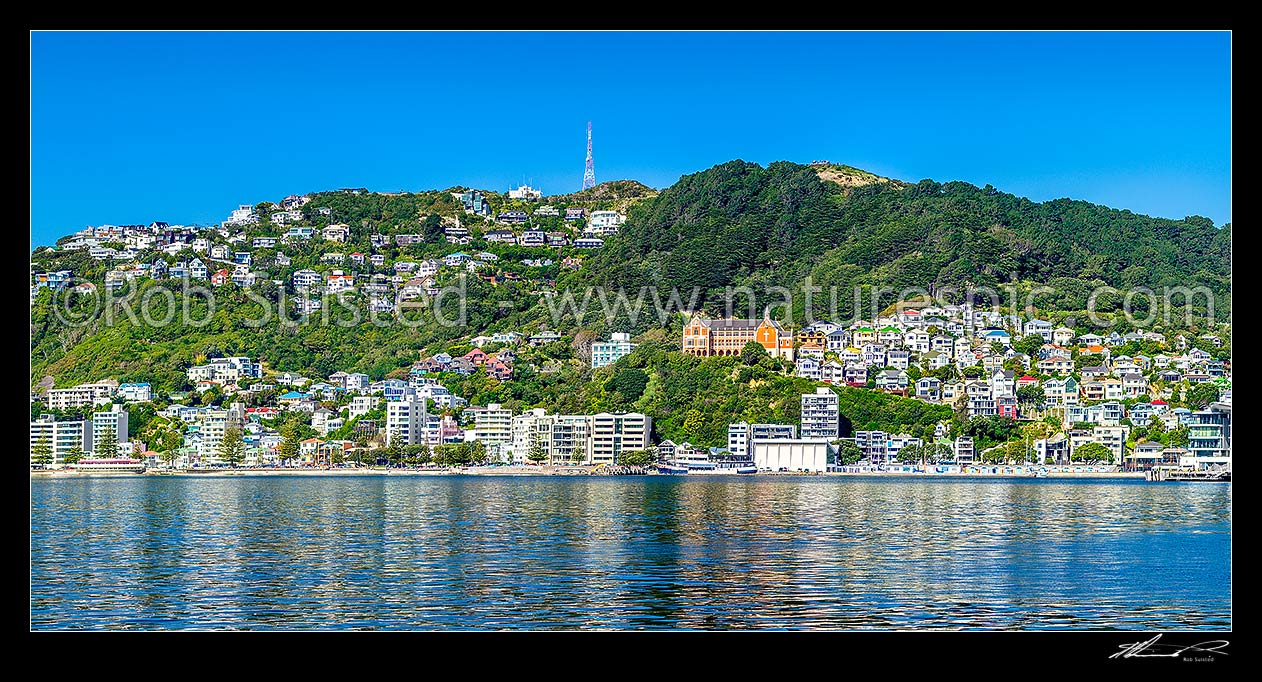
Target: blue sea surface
{"x":715,"y":552}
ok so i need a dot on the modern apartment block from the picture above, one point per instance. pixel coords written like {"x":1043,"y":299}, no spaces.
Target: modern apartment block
{"x":605,"y":353}
{"x":741,"y":434}
{"x":1209,"y":435}
{"x":579,"y":439}
{"x":83,"y":395}
{"x":494,"y":424}
{"x":112,"y":421}
{"x":873,"y":445}
{"x":612,"y":433}
{"x":211,"y":425}
{"x":61,"y":437}
{"x":965,"y":453}
{"x":408,"y":422}
{"x":821,"y":416}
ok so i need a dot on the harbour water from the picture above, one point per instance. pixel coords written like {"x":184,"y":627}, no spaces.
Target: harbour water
{"x":499,"y":552}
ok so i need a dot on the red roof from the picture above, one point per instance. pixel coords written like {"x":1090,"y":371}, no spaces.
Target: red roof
{"x":1027,"y":378}
{"x":1160,"y":402}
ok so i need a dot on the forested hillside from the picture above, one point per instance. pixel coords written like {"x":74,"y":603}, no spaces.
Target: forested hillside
{"x":741,"y":224}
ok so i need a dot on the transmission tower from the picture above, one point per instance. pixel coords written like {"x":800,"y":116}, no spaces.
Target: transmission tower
{"x":589,"y":172}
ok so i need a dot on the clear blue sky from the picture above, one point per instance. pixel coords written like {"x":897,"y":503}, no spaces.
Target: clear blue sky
{"x":182,"y":127}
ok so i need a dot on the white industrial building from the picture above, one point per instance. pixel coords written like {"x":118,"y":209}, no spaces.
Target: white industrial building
{"x":791,"y":454}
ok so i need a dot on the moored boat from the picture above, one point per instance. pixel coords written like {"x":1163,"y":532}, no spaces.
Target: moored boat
{"x":109,"y":465}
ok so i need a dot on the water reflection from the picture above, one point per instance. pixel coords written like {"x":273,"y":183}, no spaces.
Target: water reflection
{"x":506,"y":552}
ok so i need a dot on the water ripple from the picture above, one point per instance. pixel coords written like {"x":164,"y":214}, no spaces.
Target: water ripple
{"x":483,"y":552}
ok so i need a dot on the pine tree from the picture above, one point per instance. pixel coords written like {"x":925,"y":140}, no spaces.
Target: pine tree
{"x":73,"y":455}
{"x":42,"y":452}
{"x":107,"y":446}
{"x":232,"y":446}
{"x":289,"y":444}
{"x":536,"y":453}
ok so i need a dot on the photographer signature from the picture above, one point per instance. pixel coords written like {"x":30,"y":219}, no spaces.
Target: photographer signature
{"x":1151,"y":649}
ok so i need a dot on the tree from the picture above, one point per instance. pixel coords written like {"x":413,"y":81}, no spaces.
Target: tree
{"x":635,"y":458}
{"x":232,"y":446}
{"x":169,"y":457}
{"x":848,"y":453}
{"x":107,"y":446}
{"x":289,"y":444}
{"x":628,"y":381}
{"x":932,"y":453}
{"x":995,"y":455}
{"x":752,"y":353}
{"x":1088,"y":360}
{"x":477,"y":452}
{"x":42,"y":452}
{"x":1019,"y":451}
{"x":910,"y":454}
{"x":424,"y":455}
{"x":536,"y":453}
{"x":1031,"y":395}
{"x":693,"y":423}
{"x":1028,"y":344}
{"x":392,"y":452}
{"x":1092,"y":452}
{"x":972,"y":372}
{"x":73,"y":455}
{"x":987,"y":431}
{"x":578,"y":455}
{"x":1202,"y":394}
{"x":1178,"y":438}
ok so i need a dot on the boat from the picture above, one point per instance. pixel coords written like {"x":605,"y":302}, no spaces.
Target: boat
{"x":702,"y":462}
{"x":671,"y":469}
{"x":724,"y":469}
{"x":110,"y":465}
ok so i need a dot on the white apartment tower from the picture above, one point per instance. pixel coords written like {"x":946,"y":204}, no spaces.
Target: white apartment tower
{"x":821,"y":416}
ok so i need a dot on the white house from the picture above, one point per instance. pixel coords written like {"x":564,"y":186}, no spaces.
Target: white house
{"x":1042,"y":328}
{"x":606,"y":220}
{"x":339,"y":281}
{"x":525,"y":193}
{"x":243,"y":214}
{"x":306,"y":278}
{"x":336,"y":232}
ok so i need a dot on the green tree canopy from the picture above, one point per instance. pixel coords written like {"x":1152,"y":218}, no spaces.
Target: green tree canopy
{"x":1092,"y":453}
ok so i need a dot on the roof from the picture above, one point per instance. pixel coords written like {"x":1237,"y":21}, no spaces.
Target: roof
{"x":736,"y":323}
